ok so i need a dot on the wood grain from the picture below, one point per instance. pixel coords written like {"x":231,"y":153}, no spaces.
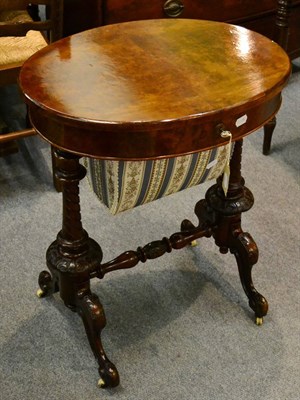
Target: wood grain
{"x":154,"y":82}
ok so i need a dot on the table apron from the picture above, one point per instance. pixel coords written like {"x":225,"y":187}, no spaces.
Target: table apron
{"x":92,"y":139}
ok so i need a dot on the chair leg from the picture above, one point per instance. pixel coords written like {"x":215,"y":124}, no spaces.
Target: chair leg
{"x":10,"y":147}
{"x":229,"y":235}
{"x":268,"y":133}
{"x":33,"y":11}
{"x":72,"y":258}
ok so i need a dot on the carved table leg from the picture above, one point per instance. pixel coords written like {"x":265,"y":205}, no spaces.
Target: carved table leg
{"x":72,"y":258}
{"x":92,"y":313}
{"x":226,"y":212}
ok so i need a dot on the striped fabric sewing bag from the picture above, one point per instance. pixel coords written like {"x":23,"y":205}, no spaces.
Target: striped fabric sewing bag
{"x":122,"y":185}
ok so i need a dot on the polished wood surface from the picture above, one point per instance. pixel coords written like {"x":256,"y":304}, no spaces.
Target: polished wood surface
{"x":278,"y":20}
{"x":129,"y":78}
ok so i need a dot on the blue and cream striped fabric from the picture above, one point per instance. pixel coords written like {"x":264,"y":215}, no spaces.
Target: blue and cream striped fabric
{"x":122,"y":185}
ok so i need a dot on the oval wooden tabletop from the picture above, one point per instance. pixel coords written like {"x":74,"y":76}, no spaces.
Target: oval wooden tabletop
{"x":154,"y":76}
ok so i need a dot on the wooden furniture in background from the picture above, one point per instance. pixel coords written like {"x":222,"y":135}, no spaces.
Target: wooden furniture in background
{"x":259,"y":16}
{"x":20,"y":37}
{"x":289,"y":39}
{"x":165,"y":90}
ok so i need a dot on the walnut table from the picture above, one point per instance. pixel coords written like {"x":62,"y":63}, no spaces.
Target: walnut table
{"x":140,"y":91}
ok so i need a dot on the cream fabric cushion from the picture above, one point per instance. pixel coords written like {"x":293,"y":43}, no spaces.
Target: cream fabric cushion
{"x":16,"y":50}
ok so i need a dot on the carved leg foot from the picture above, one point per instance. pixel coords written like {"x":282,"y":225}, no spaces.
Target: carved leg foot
{"x":206,"y":219}
{"x":187,"y":225}
{"x":246,"y":253}
{"x":205,"y":215}
{"x":92,"y":313}
{"x":48,"y":284}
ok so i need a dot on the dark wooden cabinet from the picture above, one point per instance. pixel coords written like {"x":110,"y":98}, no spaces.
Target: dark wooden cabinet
{"x":80,"y":15}
{"x":230,"y":10}
{"x":256,"y":15}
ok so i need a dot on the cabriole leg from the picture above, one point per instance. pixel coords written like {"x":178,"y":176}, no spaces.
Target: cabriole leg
{"x":228,"y":233}
{"x":92,"y":313}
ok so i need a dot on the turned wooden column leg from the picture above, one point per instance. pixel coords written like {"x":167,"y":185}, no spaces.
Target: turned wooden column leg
{"x":72,"y":258}
{"x":228,"y":233}
{"x":268,"y":133}
{"x":56,"y":182}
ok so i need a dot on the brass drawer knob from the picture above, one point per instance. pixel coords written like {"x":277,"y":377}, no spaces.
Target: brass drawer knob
{"x":173,"y":8}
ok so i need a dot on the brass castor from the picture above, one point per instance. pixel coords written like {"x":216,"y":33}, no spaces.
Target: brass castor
{"x":194,"y":243}
{"x":109,"y":378}
{"x":101,"y":383}
{"x":40,"y":293}
{"x":259,"y":320}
